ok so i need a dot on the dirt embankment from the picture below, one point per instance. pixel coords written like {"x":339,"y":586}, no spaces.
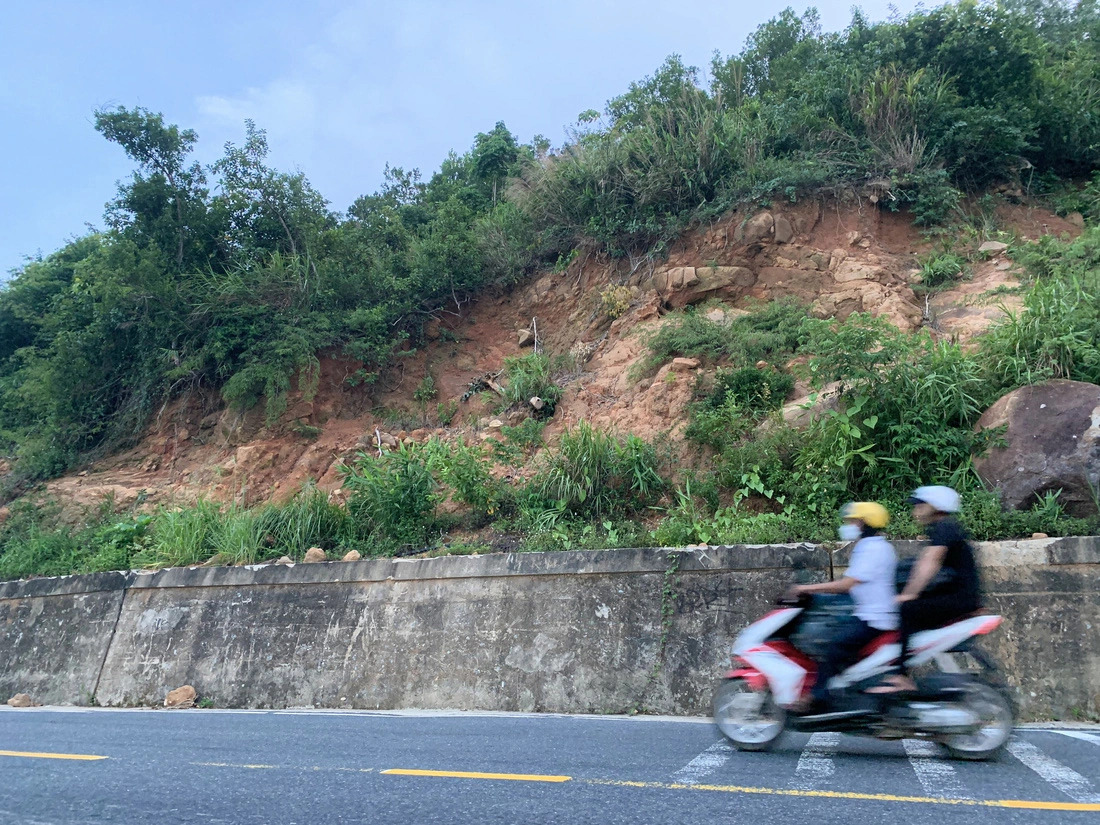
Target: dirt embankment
{"x":838,"y":259}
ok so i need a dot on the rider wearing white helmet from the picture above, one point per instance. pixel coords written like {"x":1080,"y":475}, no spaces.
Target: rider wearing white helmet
{"x":944,"y":583}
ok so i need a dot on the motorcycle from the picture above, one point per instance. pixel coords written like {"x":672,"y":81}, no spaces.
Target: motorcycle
{"x":968,"y":711}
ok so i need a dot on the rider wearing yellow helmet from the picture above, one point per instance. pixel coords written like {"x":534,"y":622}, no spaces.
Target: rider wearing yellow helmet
{"x":869,"y":580}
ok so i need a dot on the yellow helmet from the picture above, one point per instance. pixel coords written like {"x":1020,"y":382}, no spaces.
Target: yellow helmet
{"x":872,"y":514}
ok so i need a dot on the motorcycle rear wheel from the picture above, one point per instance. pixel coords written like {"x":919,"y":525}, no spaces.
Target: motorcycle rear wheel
{"x":748,"y":717}
{"x":996,"y":721}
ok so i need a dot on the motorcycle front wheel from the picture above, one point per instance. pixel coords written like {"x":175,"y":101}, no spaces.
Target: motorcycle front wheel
{"x":748,"y":717}
{"x":996,"y":720}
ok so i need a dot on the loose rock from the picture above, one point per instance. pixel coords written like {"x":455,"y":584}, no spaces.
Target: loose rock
{"x":352,"y":555}
{"x":992,"y":248}
{"x":314,"y":554}
{"x":181,"y":697}
{"x":22,"y":700}
{"x":684,"y":364}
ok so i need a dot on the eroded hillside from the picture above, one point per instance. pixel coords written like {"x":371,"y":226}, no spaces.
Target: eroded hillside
{"x":834,"y":258}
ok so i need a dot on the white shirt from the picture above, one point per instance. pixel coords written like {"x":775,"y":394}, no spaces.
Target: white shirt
{"x":872,"y":565}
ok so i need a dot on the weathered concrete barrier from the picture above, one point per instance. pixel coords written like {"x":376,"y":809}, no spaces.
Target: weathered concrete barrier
{"x":600,"y":631}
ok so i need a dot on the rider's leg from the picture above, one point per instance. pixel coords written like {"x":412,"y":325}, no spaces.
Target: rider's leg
{"x":851,"y":636}
{"x":922,"y":614}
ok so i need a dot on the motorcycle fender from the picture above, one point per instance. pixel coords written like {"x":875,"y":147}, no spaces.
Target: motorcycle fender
{"x":940,"y":685}
{"x":753,"y":676}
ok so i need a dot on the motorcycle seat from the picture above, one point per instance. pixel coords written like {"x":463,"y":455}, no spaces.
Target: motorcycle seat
{"x":887,"y":637}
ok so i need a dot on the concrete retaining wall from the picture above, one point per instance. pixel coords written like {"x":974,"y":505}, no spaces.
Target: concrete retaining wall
{"x":600,"y":631}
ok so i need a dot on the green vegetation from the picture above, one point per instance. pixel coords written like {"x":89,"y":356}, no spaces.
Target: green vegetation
{"x":234,"y":276}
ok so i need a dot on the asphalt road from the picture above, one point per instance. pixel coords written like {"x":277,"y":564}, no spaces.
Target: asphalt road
{"x":62,"y":766}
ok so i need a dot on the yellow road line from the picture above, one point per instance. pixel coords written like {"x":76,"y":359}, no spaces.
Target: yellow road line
{"x":84,"y":757}
{"x":519,"y":777}
{"x":1018,"y":804}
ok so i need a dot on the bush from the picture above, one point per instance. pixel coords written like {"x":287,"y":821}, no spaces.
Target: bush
{"x":595,"y":474}
{"x":1056,"y":332}
{"x":393,"y":498}
{"x":753,"y":390}
{"x":530,"y":375}
{"x":466,"y":471}
{"x":771,"y":333}
{"x":940,"y":269}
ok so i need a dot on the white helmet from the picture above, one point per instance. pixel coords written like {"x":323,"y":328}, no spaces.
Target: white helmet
{"x":943,"y":499}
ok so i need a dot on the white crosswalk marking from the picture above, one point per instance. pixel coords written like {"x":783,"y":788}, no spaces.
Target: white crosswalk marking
{"x":1067,"y":780}
{"x":1077,"y":734}
{"x":704,"y":764}
{"x":936,"y":776}
{"x":815,"y":766}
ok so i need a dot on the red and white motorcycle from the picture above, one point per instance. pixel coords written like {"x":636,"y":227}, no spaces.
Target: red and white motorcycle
{"x":967,"y":711}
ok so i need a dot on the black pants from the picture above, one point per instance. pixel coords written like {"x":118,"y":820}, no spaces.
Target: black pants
{"x":851,"y":636}
{"x":928,"y":612}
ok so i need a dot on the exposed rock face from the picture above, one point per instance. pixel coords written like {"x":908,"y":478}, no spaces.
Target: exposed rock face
{"x":181,"y":697}
{"x":1053,"y":443}
{"x":683,"y":286}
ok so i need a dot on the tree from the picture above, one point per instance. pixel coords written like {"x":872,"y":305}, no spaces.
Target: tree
{"x":166,"y":202}
{"x":270,"y":211}
{"x":493,"y":155}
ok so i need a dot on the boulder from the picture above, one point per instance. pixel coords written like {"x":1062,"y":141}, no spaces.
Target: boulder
{"x":22,"y":700}
{"x":760,"y":227}
{"x":181,"y":697}
{"x":783,"y":230}
{"x":1052,"y":442}
{"x":314,"y":555}
{"x":799,"y":412}
{"x":526,"y":338}
{"x":684,"y":364}
{"x":352,"y":555}
{"x":992,"y":248}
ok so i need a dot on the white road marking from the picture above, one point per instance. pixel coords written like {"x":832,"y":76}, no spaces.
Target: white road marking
{"x":1067,"y":780}
{"x":815,"y":765}
{"x":704,"y":764}
{"x":1076,"y":734}
{"x":936,"y":776}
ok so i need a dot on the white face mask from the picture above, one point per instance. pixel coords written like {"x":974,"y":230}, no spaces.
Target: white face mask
{"x":850,"y":532}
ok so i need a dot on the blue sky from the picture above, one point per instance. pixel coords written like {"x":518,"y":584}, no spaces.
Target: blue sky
{"x":341,"y":86}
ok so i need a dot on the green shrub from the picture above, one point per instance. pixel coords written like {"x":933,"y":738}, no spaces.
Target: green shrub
{"x":181,"y":537}
{"x":771,"y":333}
{"x":392,"y":499}
{"x":753,"y":390}
{"x":530,"y":375}
{"x":527,"y":435}
{"x":466,"y":471}
{"x":592,"y":473}
{"x":1056,"y":333}
{"x":940,"y":269}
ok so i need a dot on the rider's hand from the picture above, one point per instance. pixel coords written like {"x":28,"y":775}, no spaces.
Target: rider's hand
{"x":904,"y":597}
